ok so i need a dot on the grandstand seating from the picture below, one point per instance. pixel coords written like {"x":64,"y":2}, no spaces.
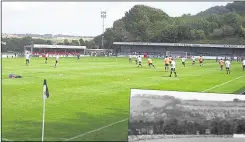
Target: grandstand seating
{"x":54,"y":53}
{"x":178,"y":51}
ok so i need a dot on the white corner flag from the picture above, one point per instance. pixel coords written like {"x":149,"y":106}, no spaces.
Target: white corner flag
{"x":45,"y":96}
{"x":45,"y":89}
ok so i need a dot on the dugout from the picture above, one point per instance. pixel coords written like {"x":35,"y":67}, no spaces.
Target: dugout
{"x":9,"y":54}
{"x":52,"y":50}
{"x":98,"y":52}
{"x":178,"y":49}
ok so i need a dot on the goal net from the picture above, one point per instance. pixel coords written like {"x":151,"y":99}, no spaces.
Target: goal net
{"x":27,"y":52}
{"x":177,"y":54}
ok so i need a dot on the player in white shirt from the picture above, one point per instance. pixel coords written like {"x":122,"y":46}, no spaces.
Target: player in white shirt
{"x":228,"y":66}
{"x":56,"y":60}
{"x":243,"y":65}
{"x":139,"y":61}
{"x":183,"y":61}
{"x":27,"y":58}
{"x":193,"y":60}
{"x":173,"y":68}
{"x":130,"y":58}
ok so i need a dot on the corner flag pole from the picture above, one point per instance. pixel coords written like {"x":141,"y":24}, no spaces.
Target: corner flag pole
{"x":44,"y":100}
{"x":45,"y":96}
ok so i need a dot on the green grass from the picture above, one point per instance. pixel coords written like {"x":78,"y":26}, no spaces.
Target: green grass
{"x":91,"y":93}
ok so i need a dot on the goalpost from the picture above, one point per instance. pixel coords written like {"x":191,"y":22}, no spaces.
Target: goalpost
{"x":28,"y":49}
{"x":176,"y":54}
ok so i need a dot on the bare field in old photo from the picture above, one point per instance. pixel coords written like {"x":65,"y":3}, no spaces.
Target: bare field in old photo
{"x":186,"y":116}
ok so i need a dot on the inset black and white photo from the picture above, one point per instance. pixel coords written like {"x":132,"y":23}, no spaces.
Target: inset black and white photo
{"x":171,"y":116}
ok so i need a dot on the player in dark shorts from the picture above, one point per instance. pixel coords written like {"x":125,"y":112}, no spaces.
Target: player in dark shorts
{"x":166,"y":62}
{"x":56,"y":60}
{"x":201,"y":61}
{"x":227,"y":65}
{"x":78,"y":56}
{"x":243,"y":64}
{"x":27,"y":59}
{"x":170,"y":59}
{"x":221,"y":62}
{"x":46,"y":58}
{"x":139,"y":61}
{"x":173,"y":70}
{"x":193,"y":60}
{"x":183,"y":61}
{"x":136,"y":61}
{"x":130,"y":59}
{"x":140,"y":64}
{"x":150,"y":63}
{"x":228,"y":71}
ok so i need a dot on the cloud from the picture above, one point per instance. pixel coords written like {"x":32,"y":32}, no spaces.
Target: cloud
{"x":19,"y":6}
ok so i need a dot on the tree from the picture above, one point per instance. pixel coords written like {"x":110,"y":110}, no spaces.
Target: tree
{"x":145,"y":24}
{"x":217,"y":33}
{"x":74,"y":43}
{"x":200,"y":34}
{"x":81,"y":42}
{"x":49,"y":42}
{"x":27,"y":40}
{"x":228,"y":30}
{"x":193,"y":34}
{"x":91,"y":45}
{"x":110,"y":37}
{"x":60,"y":43}
{"x":41,"y":41}
{"x":242,"y":31}
{"x":66,"y":42}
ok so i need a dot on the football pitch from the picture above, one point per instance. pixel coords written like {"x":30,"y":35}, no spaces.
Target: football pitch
{"x":89,"y":98}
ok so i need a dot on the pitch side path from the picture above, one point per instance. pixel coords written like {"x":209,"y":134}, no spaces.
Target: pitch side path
{"x":197,"y":140}
{"x":91,"y":93}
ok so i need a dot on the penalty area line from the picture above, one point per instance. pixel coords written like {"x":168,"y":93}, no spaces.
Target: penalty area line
{"x":106,"y":126}
{"x":222,"y":84}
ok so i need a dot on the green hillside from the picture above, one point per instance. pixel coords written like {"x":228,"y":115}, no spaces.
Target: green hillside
{"x":220,"y":24}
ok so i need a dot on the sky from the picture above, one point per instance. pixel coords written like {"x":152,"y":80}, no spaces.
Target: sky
{"x":80,"y":18}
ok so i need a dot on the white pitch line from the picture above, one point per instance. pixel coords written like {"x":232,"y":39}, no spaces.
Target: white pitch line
{"x":6,"y":140}
{"x":46,"y":138}
{"x":96,"y":129}
{"x":222,"y":84}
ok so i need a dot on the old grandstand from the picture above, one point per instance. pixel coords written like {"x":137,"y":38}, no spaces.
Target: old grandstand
{"x":64,"y":50}
{"x":52,"y":50}
{"x":159,"y":49}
